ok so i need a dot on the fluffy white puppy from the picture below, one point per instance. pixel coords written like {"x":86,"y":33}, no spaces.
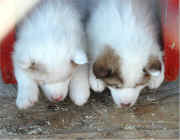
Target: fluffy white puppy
{"x":124,"y":49}
{"x":50,"y":47}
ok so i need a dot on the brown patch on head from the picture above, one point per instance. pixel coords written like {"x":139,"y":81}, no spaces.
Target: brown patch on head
{"x":154,"y":64}
{"x":107,"y":67}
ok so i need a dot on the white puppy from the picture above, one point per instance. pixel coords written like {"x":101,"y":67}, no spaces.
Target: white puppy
{"x":124,"y":48}
{"x":50,"y":47}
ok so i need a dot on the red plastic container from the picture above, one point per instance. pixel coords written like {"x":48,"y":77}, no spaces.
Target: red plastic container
{"x":6,"y":49}
{"x":170,"y":23}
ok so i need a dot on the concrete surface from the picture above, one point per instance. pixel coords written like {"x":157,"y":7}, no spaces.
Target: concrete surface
{"x":155,"y":116}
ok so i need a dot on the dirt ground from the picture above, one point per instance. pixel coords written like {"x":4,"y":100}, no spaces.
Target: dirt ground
{"x":155,"y":116}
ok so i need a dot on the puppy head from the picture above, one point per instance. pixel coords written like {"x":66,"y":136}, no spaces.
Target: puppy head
{"x":126,"y":77}
{"x":48,"y":62}
{"x":56,"y":91}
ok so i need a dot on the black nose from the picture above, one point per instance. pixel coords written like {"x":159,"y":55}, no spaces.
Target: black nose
{"x":125,"y":105}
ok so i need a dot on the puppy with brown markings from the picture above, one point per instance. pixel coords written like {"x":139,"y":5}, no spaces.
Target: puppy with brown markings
{"x":124,"y":48}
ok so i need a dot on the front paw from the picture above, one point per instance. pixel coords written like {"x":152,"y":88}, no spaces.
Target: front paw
{"x":79,"y":100}
{"x":154,"y":85}
{"x":155,"y":82}
{"x":26,"y":100}
{"x":79,"y":97}
{"x":96,"y":85}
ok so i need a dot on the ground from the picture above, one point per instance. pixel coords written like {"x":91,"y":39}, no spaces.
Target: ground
{"x":155,"y":116}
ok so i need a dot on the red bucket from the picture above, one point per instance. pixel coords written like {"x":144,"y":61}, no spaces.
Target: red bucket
{"x":6,"y":65}
{"x":170,"y":23}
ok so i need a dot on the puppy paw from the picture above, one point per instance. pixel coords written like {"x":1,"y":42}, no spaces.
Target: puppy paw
{"x":97,"y":85}
{"x":155,"y":82}
{"x":25,"y":101}
{"x":79,"y":99}
{"x":79,"y":86}
{"x":154,"y":85}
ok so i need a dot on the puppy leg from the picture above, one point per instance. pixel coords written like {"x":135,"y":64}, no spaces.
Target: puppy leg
{"x":79,"y":86}
{"x":56,"y":91}
{"x":96,"y":85}
{"x":28,"y":90}
{"x":156,"y":81}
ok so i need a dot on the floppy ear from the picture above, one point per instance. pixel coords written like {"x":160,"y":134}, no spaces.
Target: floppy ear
{"x":32,"y":66}
{"x":79,"y":57}
{"x":154,"y":67}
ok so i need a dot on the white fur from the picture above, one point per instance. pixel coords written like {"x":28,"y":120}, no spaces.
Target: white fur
{"x":156,"y":80}
{"x":127,"y":27}
{"x":79,"y":87}
{"x":28,"y":91}
{"x":80,"y":57}
{"x":96,"y":84}
{"x":52,"y":37}
{"x":125,"y":95}
{"x":55,"y":90}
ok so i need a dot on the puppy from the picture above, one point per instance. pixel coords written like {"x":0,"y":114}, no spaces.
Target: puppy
{"x":50,"y":47}
{"x":124,"y":49}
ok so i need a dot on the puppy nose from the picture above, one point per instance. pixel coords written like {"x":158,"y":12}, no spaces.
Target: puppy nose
{"x":58,"y":99}
{"x":125,"y":105}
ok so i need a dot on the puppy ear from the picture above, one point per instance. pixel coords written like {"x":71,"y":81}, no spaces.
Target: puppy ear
{"x":80,"y":57}
{"x":107,"y":64}
{"x":153,"y":67}
{"x":32,"y":66}
{"x":26,"y":64}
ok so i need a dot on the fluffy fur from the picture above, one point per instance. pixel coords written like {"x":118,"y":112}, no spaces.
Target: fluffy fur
{"x":129,"y":31}
{"x":50,"y":48}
